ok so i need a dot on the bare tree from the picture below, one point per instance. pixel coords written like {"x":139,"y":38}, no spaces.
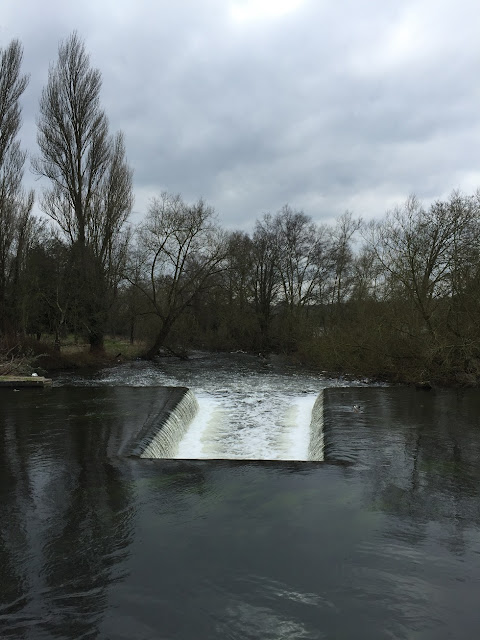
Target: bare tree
{"x":303,"y":257}
{"x":180,"y":249}
{"x":461,"y":287}
{"x":414,"y":246}
{"x":12,"y":85}
{"x":90,"y":196}
{"x":266,"y":275}
{"x":343,"y":257}
{"x":15,"y":205}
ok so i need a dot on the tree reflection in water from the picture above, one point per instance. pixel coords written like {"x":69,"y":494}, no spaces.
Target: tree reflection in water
{"x":418,"y":453}
{"x":383,"y":539}
{"x":67,"y":515}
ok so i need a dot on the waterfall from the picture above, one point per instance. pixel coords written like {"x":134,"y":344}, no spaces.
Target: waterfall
{"x":162,"y":433}
{"x":259,"y":426}
{"x":256,"y":427}
{"x":316,"y":446}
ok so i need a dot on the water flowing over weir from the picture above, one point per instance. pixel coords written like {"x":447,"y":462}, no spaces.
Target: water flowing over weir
{"x":238,"y":407}
{"x":206,"y":429}
{"x":221,"y":430}
{"x":316,"y":449}
{"x":160,"y":436}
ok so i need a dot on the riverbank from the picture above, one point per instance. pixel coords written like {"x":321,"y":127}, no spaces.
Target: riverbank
{"x":29,"y":356}
{"x":32,"y":356}
{"x":24,"y":381}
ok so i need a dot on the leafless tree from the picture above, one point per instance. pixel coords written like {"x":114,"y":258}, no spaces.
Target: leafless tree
{"x":343,"y":257}
{"x":90,"y":196}
{"x":12,"y":85}
{"x":303,"y":257}
{"x":414,"y":246}
{"x":180,"y":249}
{"x":266,"y":275}
{"x":15,"y":205}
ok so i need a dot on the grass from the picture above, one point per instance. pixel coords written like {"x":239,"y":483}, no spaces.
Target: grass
{"x":115,"y":347}
{"x":28,"y":355}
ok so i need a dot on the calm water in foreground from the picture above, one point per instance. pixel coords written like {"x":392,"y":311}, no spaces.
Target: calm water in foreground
{"x":384,"y":545}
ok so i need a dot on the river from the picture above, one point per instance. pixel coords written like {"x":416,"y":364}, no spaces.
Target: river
{"x":249,"y":407}
{"x":382,"y":540}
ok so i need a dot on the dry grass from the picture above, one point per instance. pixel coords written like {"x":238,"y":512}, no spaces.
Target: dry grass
{"x":27,"y":356}
{"x":114,"y":347}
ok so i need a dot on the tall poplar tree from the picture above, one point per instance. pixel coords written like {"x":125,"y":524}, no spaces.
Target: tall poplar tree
{"x":90,"y":196}
{"x":15,"y":205}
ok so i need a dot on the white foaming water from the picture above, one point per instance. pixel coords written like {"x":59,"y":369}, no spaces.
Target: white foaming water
{"x":248,"y":408}
{"x":194,"y":443}
{"x":258,"y":427}
{"x":296,"y":437}
{"x":164,"y":443}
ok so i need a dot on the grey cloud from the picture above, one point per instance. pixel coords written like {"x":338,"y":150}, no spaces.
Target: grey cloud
{"x":333,"y":106}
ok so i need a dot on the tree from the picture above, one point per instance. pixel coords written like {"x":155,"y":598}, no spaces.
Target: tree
{"x":90,"y":196}
{"x":266,"y":278}
{"x":303,"y":257}
{"x":180,"y":249}
{"x":240,"y":322}
{"x":429,"y":283}
{"x":12,"y":85}
{"x":343,"y":257}
{"x":49,"y":293}
{"x":461,"y":287}
{"x":292,"y":262}
{"x":16,"y":223}
{"x":414,"y":244}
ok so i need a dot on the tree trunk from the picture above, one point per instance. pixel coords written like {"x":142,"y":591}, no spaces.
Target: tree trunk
{"x":159,"y":341}
{"x":97,"y":346}
{"x":132,"y":331}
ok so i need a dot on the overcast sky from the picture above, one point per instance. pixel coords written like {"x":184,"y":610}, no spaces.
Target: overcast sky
{"x":325,"y":105}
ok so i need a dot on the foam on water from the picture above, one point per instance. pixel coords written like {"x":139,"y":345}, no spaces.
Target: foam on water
{"x":248,"y":409}
{"x":194,"y":444}
{"x":257,"y":427}
{"x":297,"y":434}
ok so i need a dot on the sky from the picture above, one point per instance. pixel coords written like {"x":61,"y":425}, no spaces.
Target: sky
{"x":325,"y":105}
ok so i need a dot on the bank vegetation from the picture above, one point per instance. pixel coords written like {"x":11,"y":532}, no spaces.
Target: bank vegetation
{"x":396,"y":298}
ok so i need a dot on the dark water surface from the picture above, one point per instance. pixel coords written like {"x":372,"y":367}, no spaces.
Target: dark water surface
{"x":93,"y":545}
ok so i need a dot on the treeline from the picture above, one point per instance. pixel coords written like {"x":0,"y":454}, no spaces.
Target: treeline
{"x":396,"y":298}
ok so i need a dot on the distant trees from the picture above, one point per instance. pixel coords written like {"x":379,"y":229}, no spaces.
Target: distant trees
{"x":90,"y":196}
{"x":16,"y":223}
{"x":342,"y":257}
{"x":295,"y":261}
{"x":423,"y":266}
{"x":179,"y":249}
{"x":50,"y":296}
{"x":266,"y":282}
{"x":403,"y":303}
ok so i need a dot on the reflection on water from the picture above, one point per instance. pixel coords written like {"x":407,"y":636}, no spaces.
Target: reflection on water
{"x":66,"y":519}
{"x":95,"y":546}
{"x":417,"y":451}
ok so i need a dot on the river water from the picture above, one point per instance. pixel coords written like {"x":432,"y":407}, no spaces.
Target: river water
{"x":249,"y":407}
{"x":382,"y":540}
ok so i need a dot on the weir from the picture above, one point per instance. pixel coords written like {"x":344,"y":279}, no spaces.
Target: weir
{"x":316,"y":446}
{"x":162,"y":432}
{"x":211,"y":429}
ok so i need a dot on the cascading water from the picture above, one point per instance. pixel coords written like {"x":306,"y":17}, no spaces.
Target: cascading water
{"x":164,"y":435}
{"x":316,"y":449}
{"x":258,"y":428}
{"x":248,"y":408}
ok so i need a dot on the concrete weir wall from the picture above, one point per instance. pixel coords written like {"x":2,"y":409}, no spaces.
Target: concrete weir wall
{"x":161,"y":433}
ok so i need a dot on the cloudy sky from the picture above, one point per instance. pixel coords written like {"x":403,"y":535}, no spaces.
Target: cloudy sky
{"x":326,"y":105}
